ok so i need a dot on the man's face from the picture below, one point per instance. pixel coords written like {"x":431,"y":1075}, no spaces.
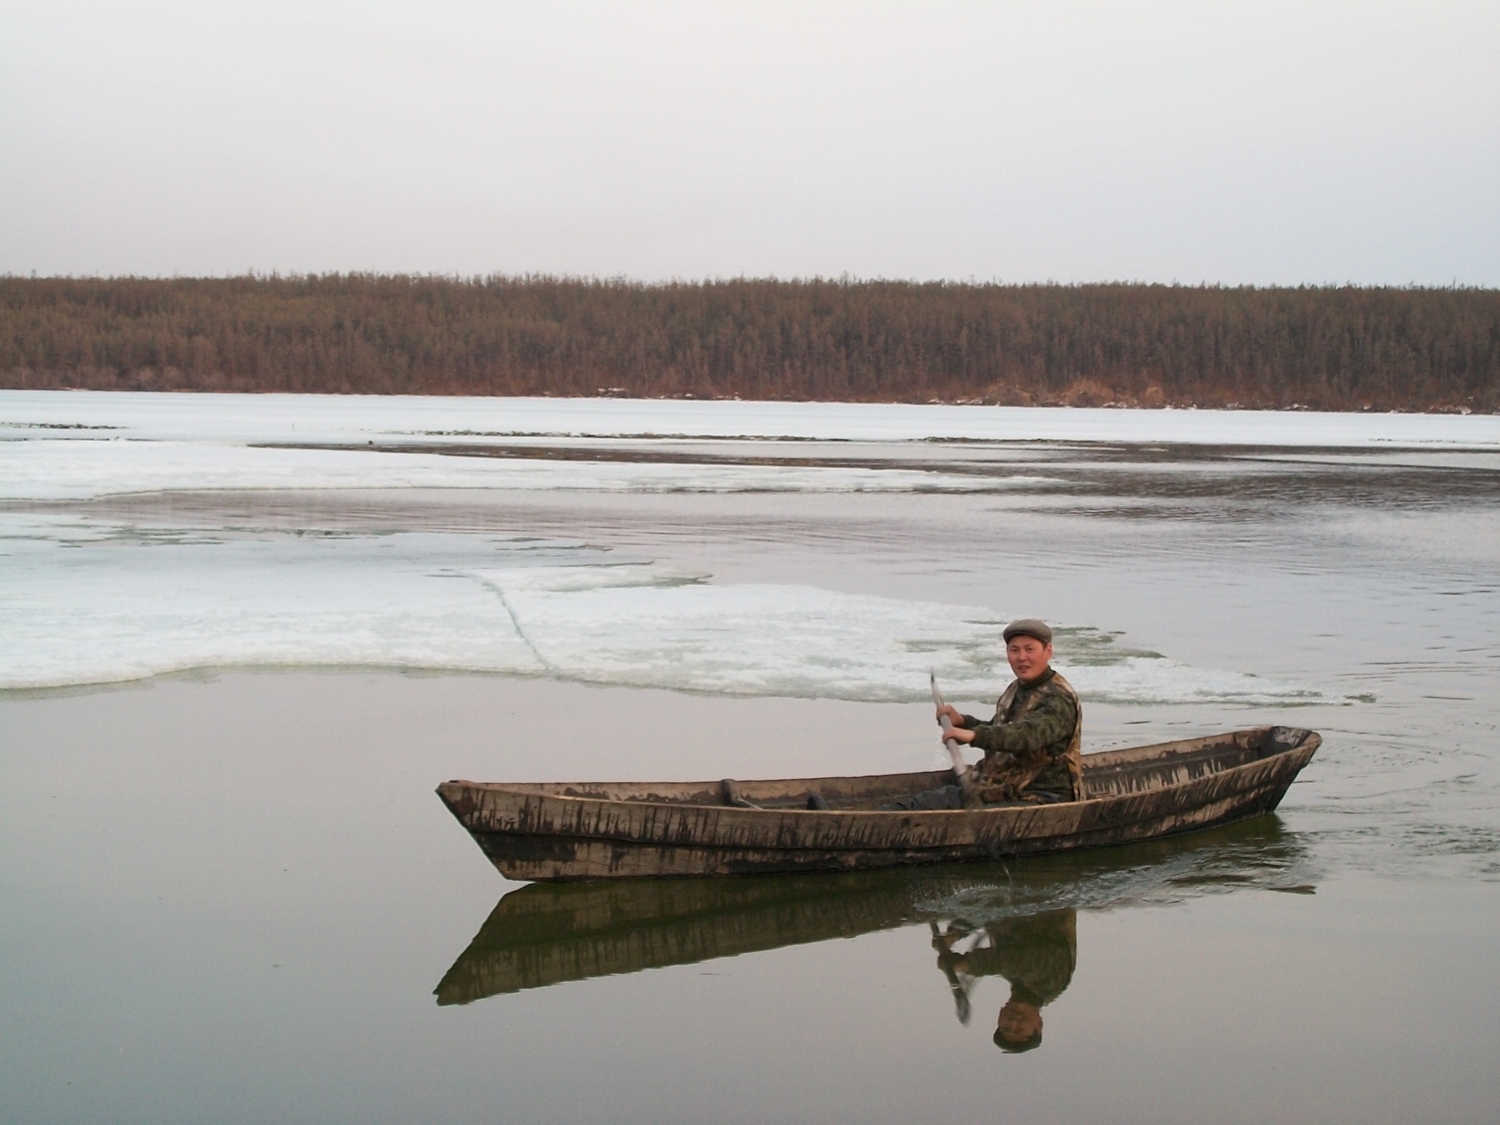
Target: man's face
{"x":1028,"y":657}
{"x":1018,"y":1021}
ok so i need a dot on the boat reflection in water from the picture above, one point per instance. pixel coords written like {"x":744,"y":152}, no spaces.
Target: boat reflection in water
{"x":1017,"y":921}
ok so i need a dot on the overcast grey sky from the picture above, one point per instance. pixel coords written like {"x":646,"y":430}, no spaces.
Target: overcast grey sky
{"x":1213,"y":141}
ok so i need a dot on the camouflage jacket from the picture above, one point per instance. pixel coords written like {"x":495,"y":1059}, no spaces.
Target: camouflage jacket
{"x":1037,"y":954}
{"x":1032,"y":745}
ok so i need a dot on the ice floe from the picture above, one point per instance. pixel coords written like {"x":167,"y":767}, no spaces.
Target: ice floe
{"x":354,"y":419}
{"x":86,"y":600}
{"x":85,"y":604}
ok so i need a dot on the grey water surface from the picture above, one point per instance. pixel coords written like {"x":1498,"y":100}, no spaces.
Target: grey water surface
{"x":230,"y":895}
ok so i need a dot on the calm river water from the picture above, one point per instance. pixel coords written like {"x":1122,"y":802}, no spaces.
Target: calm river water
{"x":243,"y":639}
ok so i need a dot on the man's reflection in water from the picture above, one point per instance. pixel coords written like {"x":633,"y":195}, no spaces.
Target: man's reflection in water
{"x":1036,"y":954}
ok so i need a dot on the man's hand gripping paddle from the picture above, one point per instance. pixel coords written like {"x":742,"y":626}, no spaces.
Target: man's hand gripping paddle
{"x":960,"y":767}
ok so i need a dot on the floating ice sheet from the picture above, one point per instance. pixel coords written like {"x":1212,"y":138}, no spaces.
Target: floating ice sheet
{"x":84,"y":604}
{"x":91,"y":602}
{"x":57,"y":469}
{"x":59,"y":445}
{"x":355,"y":419}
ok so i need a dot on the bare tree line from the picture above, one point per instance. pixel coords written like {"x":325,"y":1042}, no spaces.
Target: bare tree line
{"x":1344,"y":348}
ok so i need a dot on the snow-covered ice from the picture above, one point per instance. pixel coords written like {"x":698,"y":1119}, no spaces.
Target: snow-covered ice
{"x":77,"y":470}
{"x":239,"y":419}
{"x":81,"y":606}
{"x":87,"y":598}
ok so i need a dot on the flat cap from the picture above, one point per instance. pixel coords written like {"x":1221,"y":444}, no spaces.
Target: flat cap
{"x":1029,"y":627}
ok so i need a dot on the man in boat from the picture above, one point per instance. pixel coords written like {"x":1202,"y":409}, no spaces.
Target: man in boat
{"x":1037,"y":955}
{"x":1032,"y":746}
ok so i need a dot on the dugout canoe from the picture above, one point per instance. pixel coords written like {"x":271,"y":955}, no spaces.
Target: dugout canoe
{"x":560,"y":831}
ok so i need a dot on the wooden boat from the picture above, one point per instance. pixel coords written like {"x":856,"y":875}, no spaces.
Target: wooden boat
{"x":553,"y":831}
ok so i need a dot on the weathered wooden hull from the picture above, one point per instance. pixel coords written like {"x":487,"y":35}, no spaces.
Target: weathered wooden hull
{"x":562,"y":831}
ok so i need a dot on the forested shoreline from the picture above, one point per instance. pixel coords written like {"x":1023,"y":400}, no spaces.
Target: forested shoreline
{"x":1346,"y":348}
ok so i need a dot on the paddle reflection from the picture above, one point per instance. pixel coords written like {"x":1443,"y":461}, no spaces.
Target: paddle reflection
{"x":1017,"y":922}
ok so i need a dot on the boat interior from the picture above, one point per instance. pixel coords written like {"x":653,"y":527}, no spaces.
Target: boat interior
{"x":1110,"y":773}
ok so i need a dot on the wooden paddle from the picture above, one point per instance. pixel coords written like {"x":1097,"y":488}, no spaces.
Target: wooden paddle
{"x":960,"y":767}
